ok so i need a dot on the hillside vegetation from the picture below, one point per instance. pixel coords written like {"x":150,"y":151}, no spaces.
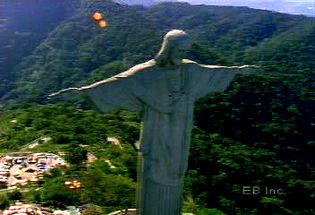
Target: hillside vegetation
{"x":222,"y":160}
{"x":70,"y":129}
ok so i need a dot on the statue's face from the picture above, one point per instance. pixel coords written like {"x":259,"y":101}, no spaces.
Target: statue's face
{"x":184,"y":44}
{"x":180,"y":48}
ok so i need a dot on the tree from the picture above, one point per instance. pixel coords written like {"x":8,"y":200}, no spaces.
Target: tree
{"x":76,"y":154}
{"x":15,"y":195}
{"x":55,"y":193}
{"x":93,"y":210}
{"x":108,"y":190}
{"x":4,"y":201}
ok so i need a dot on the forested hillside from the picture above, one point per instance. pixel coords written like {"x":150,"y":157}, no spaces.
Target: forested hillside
{"x":109,"y":182}
{"x":78,"y":52}
{"x":23,"y":26}
{"x":258,"y":133}
{"x":230,"y":151}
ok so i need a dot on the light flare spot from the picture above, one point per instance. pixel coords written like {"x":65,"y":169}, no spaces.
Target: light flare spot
{"x":102,"y":24}
{"x":97,"y":16}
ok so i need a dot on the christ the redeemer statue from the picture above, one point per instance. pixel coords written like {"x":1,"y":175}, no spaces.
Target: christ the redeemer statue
{"x":164,"y":91}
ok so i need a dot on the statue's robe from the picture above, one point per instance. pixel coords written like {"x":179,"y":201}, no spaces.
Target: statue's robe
{"x":165,"y":96}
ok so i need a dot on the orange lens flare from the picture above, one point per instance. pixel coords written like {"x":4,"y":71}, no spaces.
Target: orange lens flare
{"x":102,"y":24}
{"x":97,"y":16}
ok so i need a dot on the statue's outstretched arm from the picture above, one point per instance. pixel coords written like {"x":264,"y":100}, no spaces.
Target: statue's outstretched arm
{"x":244,"y":69}
{"x":82,"y":89}
{"x":71,"y":89}
{"x":108,"y":83}
{"x":248,"y":69}
{"x":241,"y":69}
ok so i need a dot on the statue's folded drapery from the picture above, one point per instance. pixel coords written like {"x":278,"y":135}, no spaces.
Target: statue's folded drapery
{"x":113,"y":95}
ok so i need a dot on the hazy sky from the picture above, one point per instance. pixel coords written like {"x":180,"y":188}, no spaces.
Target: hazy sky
{"x":245,"y":1}
{"x":287,"y":6}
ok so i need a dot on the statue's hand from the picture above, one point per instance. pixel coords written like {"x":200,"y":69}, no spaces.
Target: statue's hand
{"x":250,"y":66}
{"x":249,"y":69}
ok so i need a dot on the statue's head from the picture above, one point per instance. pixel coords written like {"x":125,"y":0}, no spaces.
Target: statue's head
{"x":174,"y":47}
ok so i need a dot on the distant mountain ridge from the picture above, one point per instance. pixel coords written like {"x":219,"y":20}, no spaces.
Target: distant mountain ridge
{"x":146,"y":3}
{"x":292,"y":7}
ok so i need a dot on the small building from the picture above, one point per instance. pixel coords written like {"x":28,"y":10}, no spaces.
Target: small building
{"x":114,"y":141}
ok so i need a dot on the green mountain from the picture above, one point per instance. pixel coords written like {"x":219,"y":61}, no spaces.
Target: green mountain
{"x":78,"y":52}
{"x":23,"y":26}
